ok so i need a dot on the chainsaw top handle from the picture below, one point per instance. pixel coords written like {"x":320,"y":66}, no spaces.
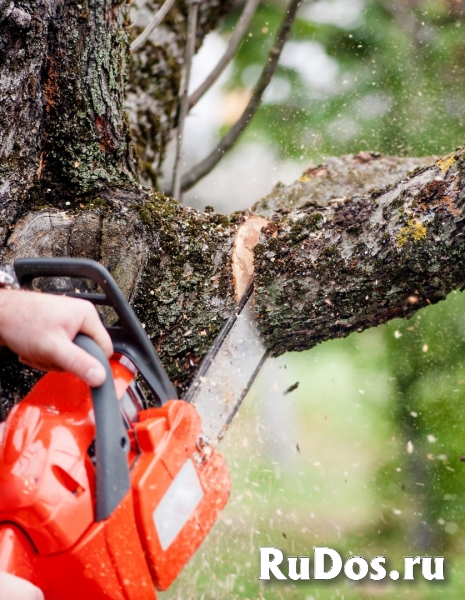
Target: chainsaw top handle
{"x":130,"y":338}
{"x":111,"y":439}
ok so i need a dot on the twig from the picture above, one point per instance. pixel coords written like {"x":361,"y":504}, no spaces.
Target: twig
{"x":203,"y":168}
{"x":154,"y":23}
{"x":183,"y":93}
{"x":233,"y":45}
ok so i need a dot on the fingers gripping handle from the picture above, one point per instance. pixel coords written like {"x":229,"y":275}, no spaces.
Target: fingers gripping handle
{"x":130,"y":339}
{"x":111,"y":441}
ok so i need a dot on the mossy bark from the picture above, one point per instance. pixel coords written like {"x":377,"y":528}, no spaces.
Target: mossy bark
{"x":327,"y":269}
{"x":64,"y":133}
{"x":340,"y":253}
{"x":23,"y":47}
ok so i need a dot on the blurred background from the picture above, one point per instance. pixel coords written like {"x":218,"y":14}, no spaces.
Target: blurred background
{"x":367,"y":454}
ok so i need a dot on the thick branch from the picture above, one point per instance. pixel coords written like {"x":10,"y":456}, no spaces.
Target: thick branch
{"x":323,"y":271}
{"x":335,"y":258}
{"x":177,"y":263}
{"x":339,"y":177}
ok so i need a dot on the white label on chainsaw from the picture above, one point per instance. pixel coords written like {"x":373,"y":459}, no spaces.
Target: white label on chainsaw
{"x":178,"y":504}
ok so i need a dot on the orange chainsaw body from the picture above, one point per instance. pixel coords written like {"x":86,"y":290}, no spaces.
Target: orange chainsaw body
{"x":48,"y":531}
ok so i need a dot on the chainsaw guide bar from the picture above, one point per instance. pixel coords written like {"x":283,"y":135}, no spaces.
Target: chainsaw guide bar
{"x":97,"y":487}
{"x":228,"y":370}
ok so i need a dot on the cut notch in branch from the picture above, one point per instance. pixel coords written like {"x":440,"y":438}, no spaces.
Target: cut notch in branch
{"x":206,"y":166}
{"x":234,"y":43}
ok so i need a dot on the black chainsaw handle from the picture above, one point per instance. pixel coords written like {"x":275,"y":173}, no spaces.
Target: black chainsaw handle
{"x":130,"y":339}
{"x":111,"y":438}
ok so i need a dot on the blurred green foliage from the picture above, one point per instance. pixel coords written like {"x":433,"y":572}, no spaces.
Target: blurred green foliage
{"x":392,"y":81}
{"x":368,"y":454}
{"x":365,"y":456}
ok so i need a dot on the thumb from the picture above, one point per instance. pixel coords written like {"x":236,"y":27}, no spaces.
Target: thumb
{"x":77,"y":361}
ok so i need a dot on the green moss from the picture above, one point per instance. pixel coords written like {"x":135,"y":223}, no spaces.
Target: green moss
{"x":305,"y":225}
{"x":331,"y":252}
{"x":87,"y":143}
{"x":189,"y":263}
{"x":159,"y":209}
{"x":96,"y":203}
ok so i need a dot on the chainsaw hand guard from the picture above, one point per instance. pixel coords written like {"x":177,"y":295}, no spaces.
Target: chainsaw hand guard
{"x":121,"y":522}
{"x":130,"y":338}
{"x":111,"y":439}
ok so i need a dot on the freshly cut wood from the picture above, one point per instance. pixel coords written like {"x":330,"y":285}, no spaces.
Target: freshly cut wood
{"x":351,"y":244}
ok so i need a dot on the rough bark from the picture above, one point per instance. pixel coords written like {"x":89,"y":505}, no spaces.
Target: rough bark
{"x":340,"y":253}
{"x":23,"y":42}
{"x":155,"y":75}
{"x":69,"y":183}
{"x":65,"y":136}
{"x":327,"y":269}
{"x":183,"y":260}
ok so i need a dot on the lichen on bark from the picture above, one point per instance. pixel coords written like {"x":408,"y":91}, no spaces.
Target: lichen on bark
{"x":86,"y":141}
{"x":63,"y":134}
{"x":325,"y":270}
{"x":342,"y":251}
{"x":23,"y":46}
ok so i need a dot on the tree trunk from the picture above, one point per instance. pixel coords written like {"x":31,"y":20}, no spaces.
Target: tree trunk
{"x":338,"y":253}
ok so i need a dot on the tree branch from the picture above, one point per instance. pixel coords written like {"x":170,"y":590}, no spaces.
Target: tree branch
{"x":325,"y":270}
{"x":154,"y":23}
{"x":234,"y":43}
{"x":339,"y":177}
{"x":333,"y":259}
{"x":204,"y":167}
{"x":183,"y":93}
{"x":322,"y":270}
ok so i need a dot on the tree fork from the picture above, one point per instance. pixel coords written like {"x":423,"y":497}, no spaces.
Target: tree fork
{"x":64,"y":133}
{"x":337,"y":255}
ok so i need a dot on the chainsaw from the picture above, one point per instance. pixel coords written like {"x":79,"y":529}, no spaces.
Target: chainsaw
{"x":102,"y":494}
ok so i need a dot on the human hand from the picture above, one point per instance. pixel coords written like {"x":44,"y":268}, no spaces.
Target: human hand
{"x":40,"y":328}
{"x":14,"y":588}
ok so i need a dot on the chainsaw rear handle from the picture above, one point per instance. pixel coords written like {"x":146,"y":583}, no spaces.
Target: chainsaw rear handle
{"x":111,"y":438}
{"x":130,"y":338}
